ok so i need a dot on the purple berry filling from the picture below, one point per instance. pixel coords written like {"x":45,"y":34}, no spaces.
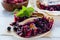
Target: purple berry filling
{"x":30,"y":29}
{"x":50,"y":7}
{"x":14,"y":1}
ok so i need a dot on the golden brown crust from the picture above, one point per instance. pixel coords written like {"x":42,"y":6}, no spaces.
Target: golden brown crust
{"x":37,"y":14}
{"x":8,"y":7}
{"x":37,"y":3}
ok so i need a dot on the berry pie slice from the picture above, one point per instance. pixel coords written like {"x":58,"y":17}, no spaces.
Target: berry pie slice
{"x":51,"y":5}
{"x":33,"y":26}
{"x":30,"y":24}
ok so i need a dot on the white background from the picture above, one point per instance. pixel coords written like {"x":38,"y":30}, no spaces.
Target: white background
{"x":6,"y":18}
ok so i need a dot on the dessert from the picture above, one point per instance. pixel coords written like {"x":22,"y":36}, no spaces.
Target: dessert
{"x":11,"y":5}
{"x":32,"y":25}
{"x":51,"y":5}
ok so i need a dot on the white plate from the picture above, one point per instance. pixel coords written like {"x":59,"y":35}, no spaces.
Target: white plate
{"x":33,"y":4}
{"x":12,"y":33}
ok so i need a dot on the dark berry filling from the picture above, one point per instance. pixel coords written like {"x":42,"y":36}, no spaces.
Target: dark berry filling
{"x":14,"y":1}
{"x":50,"y":7}
{"x":30,"y":29}
{"x":19,"y":19}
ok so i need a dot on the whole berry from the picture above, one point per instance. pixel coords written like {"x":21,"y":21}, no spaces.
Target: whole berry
{"x":9,"y":28}
{"x":15,"y":29}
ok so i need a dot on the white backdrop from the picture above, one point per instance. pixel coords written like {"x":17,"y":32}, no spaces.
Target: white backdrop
{"x":7,"y":17}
